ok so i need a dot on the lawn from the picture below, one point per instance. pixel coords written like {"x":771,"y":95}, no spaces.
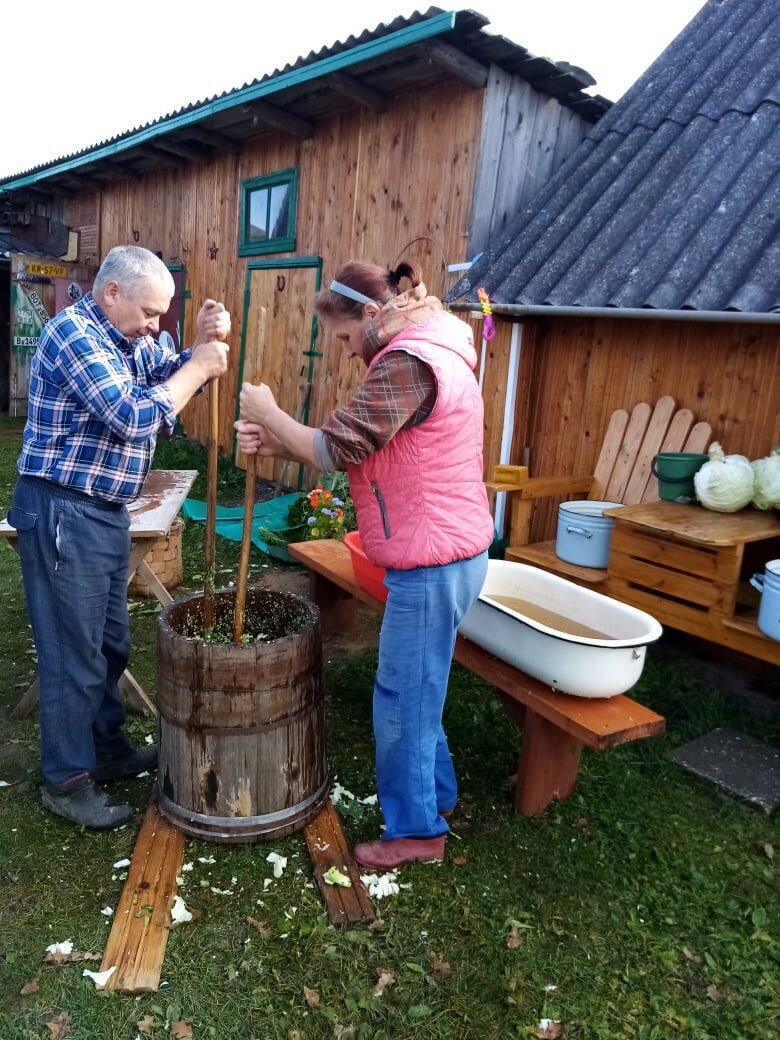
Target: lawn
{"x":644,"y":907}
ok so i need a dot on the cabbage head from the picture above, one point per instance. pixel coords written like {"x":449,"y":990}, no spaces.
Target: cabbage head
{"x":725,"y":483}
{"x":766,"y":483}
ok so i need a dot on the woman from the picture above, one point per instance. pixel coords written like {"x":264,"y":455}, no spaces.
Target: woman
{"x":411,"y":442}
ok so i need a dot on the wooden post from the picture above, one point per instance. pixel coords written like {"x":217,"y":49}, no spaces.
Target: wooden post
{"x":246,"y":545}
{"x":210,"y":551}
{"x":549,"y":763}
{"x":250,"y":375}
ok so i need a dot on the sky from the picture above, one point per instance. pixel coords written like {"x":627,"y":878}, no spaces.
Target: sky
{"x":73,"y":75}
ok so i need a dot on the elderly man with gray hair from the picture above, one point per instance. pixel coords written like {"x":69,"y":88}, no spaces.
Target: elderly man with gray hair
{"x":101,"y":389}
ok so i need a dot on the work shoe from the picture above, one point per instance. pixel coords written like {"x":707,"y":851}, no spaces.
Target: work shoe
{"x":389,"y":853}
{"x":136,"y":760}
{"x":87,"y":805}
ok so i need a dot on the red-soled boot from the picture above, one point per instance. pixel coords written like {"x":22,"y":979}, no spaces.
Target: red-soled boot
{"x":397,"y":852}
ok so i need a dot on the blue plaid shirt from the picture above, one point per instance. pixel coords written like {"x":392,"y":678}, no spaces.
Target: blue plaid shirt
{"x":96,"y":403}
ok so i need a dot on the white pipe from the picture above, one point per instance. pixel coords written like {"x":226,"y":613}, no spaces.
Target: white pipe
{"x":482,"y":356}
{"x":512,"y":377}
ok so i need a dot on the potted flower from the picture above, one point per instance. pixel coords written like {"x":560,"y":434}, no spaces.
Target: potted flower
{"x":327,"y":511}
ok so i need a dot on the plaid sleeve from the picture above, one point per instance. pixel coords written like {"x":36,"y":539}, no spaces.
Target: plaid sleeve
{"x":105,"y":388}
{"x":399,"y":391}
{"x":166,"y":362}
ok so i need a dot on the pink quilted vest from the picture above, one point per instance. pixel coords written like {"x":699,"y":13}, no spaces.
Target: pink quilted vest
{"x":421,"y":500}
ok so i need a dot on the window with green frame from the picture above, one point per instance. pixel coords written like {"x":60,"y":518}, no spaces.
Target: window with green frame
{"x":268,"y":206}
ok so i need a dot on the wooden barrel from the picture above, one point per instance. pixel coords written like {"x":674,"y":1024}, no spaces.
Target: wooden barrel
{"x":242,"y":737}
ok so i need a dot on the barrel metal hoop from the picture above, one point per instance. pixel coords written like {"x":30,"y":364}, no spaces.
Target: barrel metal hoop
{"x":186,"y":723}
{"x":240,"y":828}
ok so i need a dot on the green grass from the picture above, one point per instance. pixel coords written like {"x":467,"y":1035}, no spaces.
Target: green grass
{"x":649,"y":899}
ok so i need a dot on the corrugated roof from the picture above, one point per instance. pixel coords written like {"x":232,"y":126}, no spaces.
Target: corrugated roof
{"x":405,"y":54}
{"x":672,"y":201}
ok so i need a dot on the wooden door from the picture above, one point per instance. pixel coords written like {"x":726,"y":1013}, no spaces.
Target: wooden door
{"x":32,"y":305}
{"x":279,"y":333}
{"x":172,"y":322}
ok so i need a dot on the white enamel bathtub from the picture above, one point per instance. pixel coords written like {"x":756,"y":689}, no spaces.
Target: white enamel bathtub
{"x":575,"y":640}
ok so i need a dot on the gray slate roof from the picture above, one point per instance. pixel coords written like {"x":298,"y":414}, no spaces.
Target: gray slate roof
{"x":672,"y":201}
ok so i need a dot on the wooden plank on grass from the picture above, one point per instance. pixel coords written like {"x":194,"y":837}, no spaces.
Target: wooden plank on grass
{"x":142,"y":921}
{"x":328,"y":848}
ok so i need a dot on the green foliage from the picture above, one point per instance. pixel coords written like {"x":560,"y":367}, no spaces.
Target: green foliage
{"x":180,"y":453}
{"x":643,"y":908}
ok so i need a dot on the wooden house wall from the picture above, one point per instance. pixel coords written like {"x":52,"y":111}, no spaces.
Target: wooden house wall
{"x":81,"y":214}
{"x":369,"y":186}
{"x":525,"y":138}
{"x":418,"y":180}
{"x":576,"y":372}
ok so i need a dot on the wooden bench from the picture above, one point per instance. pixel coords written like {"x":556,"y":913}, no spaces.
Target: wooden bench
{"x":556,"y":726}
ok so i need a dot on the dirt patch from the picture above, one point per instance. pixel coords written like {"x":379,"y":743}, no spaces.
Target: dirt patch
{"x":265,"y":490}
{"x":366,"y":633}
{"x":16,"y":763}
{"x":365,"y":636}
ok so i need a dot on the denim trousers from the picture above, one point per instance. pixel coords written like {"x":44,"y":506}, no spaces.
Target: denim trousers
{"x":74,"y":554}
{"x":415,"y":775}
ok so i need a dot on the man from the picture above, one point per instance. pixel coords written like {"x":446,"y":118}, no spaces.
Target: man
{"x":101,"y":388}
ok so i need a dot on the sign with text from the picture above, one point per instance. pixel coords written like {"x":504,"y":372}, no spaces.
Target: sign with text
{"x":48,"y":270}
{"x":28,"y":316}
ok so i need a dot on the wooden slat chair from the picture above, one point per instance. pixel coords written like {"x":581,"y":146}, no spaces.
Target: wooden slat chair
{"x":622,"y":474}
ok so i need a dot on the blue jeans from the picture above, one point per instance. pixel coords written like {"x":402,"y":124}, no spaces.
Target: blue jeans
{"x":74,"y":554}
{"x":415,"y":775}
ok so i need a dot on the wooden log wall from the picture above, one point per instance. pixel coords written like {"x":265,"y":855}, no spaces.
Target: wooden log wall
{"x":82,"y":214}
{"x":576,"y":372}
{"x":525,"y":138}
{"x":369,"y":185}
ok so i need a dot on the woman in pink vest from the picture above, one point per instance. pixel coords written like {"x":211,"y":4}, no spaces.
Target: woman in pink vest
{"x":411,"y":442}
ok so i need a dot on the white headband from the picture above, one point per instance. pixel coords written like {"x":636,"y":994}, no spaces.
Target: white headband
{"x":352,"y":294}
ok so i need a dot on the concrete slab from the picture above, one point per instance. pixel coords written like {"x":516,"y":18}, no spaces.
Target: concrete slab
{"x":739,"y":764}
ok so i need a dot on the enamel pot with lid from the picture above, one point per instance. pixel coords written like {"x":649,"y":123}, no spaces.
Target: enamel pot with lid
{"x":584,"y":533}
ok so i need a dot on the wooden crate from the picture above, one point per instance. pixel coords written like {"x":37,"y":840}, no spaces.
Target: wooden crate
{"x":165,"y":559}
{"x":689,"y":568}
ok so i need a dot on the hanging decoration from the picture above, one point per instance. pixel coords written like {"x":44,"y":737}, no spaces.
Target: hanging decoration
{"x":489,"y":330}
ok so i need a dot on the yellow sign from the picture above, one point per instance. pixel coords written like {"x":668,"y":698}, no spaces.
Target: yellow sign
{"x":50,"y":270}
